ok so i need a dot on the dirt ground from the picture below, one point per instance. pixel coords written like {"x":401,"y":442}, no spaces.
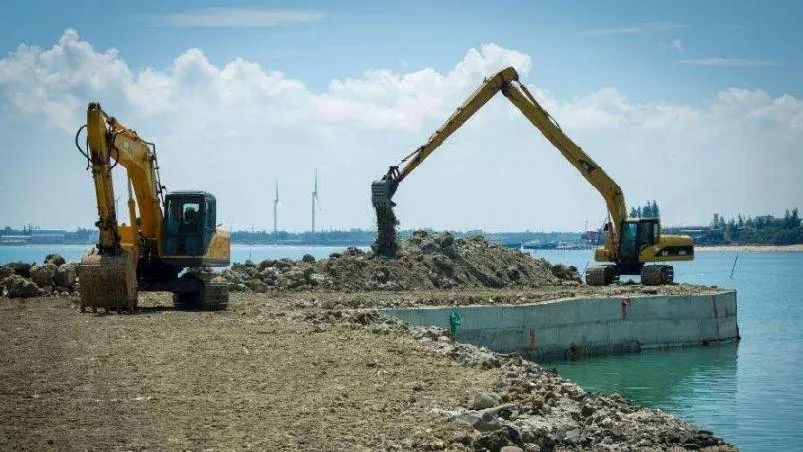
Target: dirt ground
{"x":464,"y":297}
{"x":267,"y":375}
{"x":246,"y":378}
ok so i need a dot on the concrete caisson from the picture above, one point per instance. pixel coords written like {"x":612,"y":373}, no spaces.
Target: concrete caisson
{"x":579,"y":327}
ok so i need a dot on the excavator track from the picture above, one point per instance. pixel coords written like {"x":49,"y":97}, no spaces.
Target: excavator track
{"x":657,"y":275}
{"x":601,"y":275}
{"x":211,"y":294}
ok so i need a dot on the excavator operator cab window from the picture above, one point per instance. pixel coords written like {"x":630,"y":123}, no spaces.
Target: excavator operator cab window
{"x":649,"y":231}
{"x":187,"y":223}
{"x":629,"y":247}
{"x":189,"y":220}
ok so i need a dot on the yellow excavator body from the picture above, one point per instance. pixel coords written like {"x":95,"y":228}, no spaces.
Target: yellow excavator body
{"x":153,"y":251}
{"x":629,"y":243}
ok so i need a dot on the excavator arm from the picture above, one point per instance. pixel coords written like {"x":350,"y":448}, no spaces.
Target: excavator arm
{"x":384,"y":189}
{"x":109,"y":139}
{"x":614,"y":198}
{"x":108,"y":271}
{"x":506,"y":81}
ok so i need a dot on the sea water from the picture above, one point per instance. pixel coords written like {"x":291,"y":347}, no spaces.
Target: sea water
{"x":751,"y":393}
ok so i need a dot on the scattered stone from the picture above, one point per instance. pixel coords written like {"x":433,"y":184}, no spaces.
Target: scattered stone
{"x":66,"y":276}
{"x":42,"y":275}
{"x":511,"y":449}
{"x":566,"y":273}
{"x":21,"y":268}
{"x":5,"y":272}
{"x":257,"y":286}
{"x":445,"y":239}
{"x":265,"y":264}
{"x":308,"y":258}
{"x":484,"y":400}
{"x":55,"y":259}
{"x":353,"y":251}
{"x":429,"y":246}
{"x":15,"y":286}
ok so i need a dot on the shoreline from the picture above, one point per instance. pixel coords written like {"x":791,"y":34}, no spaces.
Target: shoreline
{"x":797,"y":248}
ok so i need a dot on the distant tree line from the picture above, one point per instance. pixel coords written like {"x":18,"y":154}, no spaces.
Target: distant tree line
{"x":760,"y":230}
{"x":39,"y":235}
{"x":649,"y":210}
{"x":336,"y":237}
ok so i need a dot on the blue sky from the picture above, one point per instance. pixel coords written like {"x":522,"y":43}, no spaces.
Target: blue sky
{"x":632,"y":46}
{"x":361,"y":83}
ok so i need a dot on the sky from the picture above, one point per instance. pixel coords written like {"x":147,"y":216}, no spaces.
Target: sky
{"x":697,"y":105}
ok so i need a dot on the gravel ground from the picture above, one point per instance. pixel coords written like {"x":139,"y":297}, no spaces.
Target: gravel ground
{"x":325,"y":299}
{"x":290,"y":372}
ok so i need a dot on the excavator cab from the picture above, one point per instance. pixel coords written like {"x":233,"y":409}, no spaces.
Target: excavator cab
{"x":189,"y":223}
{"x":635,"y":235}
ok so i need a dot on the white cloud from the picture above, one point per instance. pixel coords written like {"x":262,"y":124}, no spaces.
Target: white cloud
{"x":232,"y":129}
{"x":49,"y":83}
{"x":728,"y":62}
{"x":229,"y":17}
{"x":635,"y":29}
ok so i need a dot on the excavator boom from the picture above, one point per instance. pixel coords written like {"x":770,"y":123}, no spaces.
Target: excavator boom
{"x":384,"y":189}
{"x":506,"y":81}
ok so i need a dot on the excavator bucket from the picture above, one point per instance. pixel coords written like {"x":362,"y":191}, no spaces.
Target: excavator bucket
{"x":381,"y":192}
{"x":108,"y":281}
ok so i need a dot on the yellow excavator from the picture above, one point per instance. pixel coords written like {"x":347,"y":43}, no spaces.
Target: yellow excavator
{"x":167,"y":250}
{"x":630,"y":243}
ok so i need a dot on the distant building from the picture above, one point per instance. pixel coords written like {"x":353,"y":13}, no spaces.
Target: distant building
{"x":48,"y":236}
{"x":33,"y":236}
{"x":15,"y":239}
{"x":592,"y":237}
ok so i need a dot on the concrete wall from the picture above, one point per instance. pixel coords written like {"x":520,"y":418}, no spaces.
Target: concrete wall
{"x":572,"y":328}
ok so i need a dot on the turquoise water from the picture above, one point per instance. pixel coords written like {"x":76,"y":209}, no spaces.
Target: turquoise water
{"x":750,"y":393}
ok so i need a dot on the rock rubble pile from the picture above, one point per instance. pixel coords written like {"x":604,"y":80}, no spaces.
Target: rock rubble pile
{"x":531,"y":408}
{"x":54,"y":276}
{"x":424,"y":261}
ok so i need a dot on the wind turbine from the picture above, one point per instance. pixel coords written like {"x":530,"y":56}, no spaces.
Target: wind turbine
{"x":275,"y":212}
{"x":315,"y":200}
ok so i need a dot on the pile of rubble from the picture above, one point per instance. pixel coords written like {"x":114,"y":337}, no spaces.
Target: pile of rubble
{"x":424,"y":261}
{"x":53,"y":277}
{"x":532,"y":408}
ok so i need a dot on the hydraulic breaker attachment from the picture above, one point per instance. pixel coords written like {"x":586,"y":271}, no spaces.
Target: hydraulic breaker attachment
{"x":108,"y":281}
